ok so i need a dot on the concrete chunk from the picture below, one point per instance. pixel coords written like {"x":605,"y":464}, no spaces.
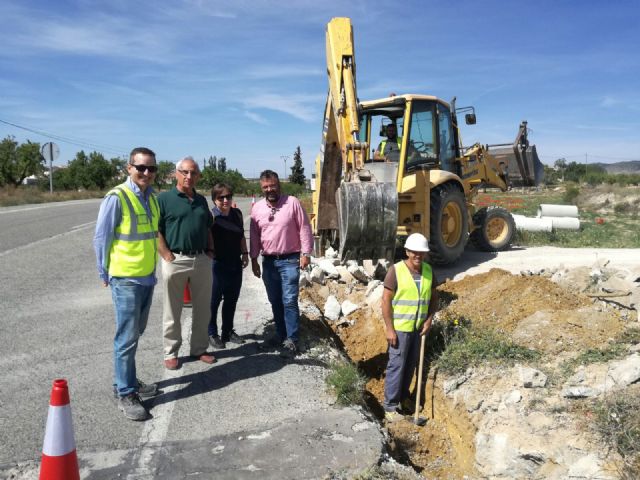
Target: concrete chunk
{"x":332,"y":308}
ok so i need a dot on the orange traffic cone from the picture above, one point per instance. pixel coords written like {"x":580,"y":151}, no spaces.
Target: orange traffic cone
{"x":59,"y":459}
{"x":186,"y":296}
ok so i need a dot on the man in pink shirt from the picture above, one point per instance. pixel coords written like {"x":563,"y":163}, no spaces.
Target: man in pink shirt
{"x":281,"y":232}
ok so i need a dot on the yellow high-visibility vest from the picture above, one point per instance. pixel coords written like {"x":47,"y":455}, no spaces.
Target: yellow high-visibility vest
{"x":134,"y":251}
{"x":383,"y":144}
{"x":410,"y":307}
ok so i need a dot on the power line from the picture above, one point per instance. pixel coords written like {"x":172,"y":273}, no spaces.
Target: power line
{"x":73,"y":141}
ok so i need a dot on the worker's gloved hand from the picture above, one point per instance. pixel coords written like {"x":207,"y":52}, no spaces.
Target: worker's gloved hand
{"x":392,"y":338}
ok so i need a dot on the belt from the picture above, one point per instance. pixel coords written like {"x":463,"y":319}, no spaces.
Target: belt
{"x":279,"y":256}
{"x":189,"y":253}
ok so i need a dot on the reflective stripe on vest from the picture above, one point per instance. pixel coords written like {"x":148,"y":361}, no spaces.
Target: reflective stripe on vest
{"x":408,"y":304}
{"x":134,"y":251}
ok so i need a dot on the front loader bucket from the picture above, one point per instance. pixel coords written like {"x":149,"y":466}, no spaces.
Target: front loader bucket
{"x":524,"y":168}
{"x":368,"y":219}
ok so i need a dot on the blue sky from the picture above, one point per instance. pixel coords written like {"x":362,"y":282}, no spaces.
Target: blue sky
{"x":246,"y":79}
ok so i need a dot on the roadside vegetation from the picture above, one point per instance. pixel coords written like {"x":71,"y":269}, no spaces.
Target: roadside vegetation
{"x":92,"y":175}
{"x":457,"y":345}
{"x":617,"y":420}
{"x":617,"y":349}
{"x":347,"y":382}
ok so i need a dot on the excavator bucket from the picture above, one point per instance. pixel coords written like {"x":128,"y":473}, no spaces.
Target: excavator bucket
{"x":368,"y":219}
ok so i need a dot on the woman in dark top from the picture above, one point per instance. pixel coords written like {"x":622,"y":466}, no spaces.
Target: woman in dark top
{"x":230,"y":257}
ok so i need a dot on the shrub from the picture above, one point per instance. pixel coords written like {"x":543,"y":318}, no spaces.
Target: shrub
{"x":617,"y":420}
{"x":571,"y":193}
{"x":472,"y":347}
{"x":346,"y":382}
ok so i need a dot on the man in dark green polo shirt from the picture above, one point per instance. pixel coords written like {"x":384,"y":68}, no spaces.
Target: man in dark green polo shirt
{"x":185,"y":245}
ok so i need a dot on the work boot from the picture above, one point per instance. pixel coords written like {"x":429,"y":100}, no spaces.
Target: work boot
{"x":133,"y":408}
{"x":145,"y":390}
{"x":216,"y":342}
{"x":235,"y":338}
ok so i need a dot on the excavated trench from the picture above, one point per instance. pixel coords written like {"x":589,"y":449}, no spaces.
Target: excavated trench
{"x":445,"y":446}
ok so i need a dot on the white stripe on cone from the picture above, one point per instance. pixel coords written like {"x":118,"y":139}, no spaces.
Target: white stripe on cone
{"x":58,"y":437}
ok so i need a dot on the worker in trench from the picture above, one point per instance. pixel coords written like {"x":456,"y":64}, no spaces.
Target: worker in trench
{"x":409,"y":302}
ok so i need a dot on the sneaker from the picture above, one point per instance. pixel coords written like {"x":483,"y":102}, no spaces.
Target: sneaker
{"x":393,"y":416}
{"x":289,"y":348}
{"x":132,"y":408}
{"x":235,"y":338}
{"x":145,"y":390}
{"x":216,"y":342}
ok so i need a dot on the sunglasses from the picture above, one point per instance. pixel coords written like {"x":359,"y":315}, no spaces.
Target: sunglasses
{"x":273,"y":213}
{"x":186,"y":173}
{"x":225,"y":197}
{"x":142,"y":168}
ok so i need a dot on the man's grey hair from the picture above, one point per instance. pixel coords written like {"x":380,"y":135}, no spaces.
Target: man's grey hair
{"x":187,"y":159}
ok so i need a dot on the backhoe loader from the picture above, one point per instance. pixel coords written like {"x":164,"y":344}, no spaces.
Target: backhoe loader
{"x":364,"y":201}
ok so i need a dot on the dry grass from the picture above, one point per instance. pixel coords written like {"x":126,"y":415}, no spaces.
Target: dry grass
{"x":10,"y":196}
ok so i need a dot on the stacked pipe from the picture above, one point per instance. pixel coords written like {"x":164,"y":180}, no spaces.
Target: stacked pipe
{"x":550,"y":217}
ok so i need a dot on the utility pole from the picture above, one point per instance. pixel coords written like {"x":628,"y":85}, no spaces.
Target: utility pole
{"x":586,"y":165}
{"x":285,"y":158}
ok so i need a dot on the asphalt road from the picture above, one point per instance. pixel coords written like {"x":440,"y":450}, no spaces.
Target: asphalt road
{"x":56,"y":321}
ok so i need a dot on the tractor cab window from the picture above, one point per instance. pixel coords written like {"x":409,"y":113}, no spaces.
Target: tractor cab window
{"x":421,"y":149}
{"x":445,"y":139}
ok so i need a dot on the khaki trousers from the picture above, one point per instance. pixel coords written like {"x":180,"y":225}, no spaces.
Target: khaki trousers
{"x":196,"y":269}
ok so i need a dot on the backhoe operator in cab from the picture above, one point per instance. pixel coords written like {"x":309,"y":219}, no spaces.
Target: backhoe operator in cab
{"x":389,"y":149}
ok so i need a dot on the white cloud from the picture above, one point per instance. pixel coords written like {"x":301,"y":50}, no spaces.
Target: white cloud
{"x":294,"y":105}
{"x":256,"y":117}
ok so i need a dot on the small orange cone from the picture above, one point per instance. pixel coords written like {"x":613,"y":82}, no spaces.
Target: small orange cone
{"x":186,"y":296}
{"x":59,"y":459}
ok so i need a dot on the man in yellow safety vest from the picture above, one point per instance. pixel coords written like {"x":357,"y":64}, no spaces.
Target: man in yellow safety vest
{"x":409,"y":302}
{"x":126,"y":246}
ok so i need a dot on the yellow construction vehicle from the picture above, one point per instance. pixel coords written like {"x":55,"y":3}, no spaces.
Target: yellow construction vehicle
{"x":365,"y":198}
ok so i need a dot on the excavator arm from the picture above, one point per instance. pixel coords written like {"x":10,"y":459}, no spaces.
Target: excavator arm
{"x":351,"y":210}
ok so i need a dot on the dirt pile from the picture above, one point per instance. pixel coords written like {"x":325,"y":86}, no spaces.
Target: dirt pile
{"x":532,"y":310}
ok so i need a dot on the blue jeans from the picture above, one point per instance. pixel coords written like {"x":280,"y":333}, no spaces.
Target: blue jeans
{"x":281,"y":277}
{"x":131,"y":302}
{"x":227,"y":281}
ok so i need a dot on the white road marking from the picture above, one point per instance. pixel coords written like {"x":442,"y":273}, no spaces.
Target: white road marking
{"x":73,"y":229}
{"x":43,"y":206}
{"x":154,"y":432}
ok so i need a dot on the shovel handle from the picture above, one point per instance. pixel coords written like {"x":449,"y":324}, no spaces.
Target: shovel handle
{"x":423,"y":340}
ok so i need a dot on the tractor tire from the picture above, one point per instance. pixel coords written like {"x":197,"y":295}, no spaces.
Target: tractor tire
{"x":449,"y":225}
{"x":495,"y":229}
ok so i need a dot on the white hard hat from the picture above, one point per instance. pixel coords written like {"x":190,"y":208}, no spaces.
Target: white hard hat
{"x":416,"y":242}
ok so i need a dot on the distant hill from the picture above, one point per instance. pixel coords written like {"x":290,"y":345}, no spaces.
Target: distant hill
{"x":632,"y":166}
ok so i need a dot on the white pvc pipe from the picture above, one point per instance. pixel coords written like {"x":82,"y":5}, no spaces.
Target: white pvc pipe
{"x":532,"y":224}
{"x":566,"y":223}
{"x":547,"y":210}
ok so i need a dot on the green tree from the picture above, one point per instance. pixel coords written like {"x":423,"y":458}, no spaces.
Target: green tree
{"x":101,"y":171}
{"x":212,"y":163}
{"x":79,"y":171}
{"x":222,"y":164}
{"x":18,"y":161}
{"x":297,"y":170}
{"x":164,"y":175}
